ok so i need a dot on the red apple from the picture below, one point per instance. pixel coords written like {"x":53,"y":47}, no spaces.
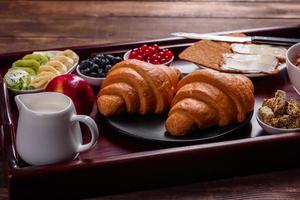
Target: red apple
{"x":76,"y":88}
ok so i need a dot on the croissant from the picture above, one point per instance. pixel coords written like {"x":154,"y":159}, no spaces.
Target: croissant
{"x":206,"y":97}
{"x":134,"y":86}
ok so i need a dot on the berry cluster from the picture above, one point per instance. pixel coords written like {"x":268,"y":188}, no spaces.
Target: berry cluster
{"x":99,"y":65}
{"x":151,"y":54}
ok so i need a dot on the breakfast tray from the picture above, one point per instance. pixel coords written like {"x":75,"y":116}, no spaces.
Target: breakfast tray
{"x":120,"y":164}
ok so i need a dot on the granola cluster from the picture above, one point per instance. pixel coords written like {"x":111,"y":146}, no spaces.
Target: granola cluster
{"x":280,"y":112}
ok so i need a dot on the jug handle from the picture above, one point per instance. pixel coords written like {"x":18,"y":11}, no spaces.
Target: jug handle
{"x":93,"y":130}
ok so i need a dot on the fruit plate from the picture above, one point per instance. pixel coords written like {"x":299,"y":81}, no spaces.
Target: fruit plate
{"x":120,"y":164}
{"x":52,"y":52}
{"x":151,"y":128}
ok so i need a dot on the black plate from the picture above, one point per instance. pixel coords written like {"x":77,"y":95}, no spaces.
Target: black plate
{"x":152,"y":128}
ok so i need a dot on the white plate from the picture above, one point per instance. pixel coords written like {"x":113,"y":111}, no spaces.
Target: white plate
{"x":187,"y":67}
{"x":54,"y":52}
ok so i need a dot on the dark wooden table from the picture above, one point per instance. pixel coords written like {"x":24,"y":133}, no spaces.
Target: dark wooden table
{"x":26,"y":25}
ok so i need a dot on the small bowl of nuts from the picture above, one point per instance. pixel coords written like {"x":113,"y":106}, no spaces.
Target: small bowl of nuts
{"x":273,"y":130}
{"x":293,"y":65}
{"x":279,"y":115}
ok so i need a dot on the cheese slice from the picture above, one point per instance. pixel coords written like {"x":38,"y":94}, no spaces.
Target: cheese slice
{"x":278,"y":52}
{"x":249,"y":63}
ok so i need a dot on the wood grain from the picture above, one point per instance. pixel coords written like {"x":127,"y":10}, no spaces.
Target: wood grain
{"x":46,"y":33}
{"x":129,"y":28}
{"x":211,"y":9}
{"x":259,"y":187}
{"x":49,"y":24}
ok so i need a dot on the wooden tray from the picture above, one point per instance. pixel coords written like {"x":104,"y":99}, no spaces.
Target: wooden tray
{"x":120,"y":164}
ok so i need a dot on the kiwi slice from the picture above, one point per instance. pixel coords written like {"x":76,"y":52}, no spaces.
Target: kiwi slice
{"x":30,"y":63}
{"x":30,"y":71}
{"x":17,"y":78}
{"x":38,"y":57}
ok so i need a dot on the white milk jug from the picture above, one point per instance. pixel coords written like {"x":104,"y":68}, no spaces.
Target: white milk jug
{"x":48,"y":128}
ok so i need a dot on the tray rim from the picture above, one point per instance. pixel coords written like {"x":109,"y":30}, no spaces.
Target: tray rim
{"x":6,"y":118}
{"x":114,"y":160}
{"x":6,"y":124}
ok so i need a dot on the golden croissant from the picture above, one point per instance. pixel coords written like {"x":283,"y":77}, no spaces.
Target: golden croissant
{"x":134,"y":86}
{"x":206,"y":98}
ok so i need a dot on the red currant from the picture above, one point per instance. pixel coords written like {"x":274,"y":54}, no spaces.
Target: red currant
{"x":151,"y":54}
{"x":144,"y":47}
{"x":140,"y":51}
{"x":169,"y":53}
{"x":167,"y":58}
{"x":155,"y":62}
{"x":154,"y":57}
{"x":147,"y":52}
{"x":151,"y":50}
{"x":161,"y":53}
{"x":132,"y":54}
{"x":139,"y":57}
{"x":155,"y":47}
{"x":159,"y":57}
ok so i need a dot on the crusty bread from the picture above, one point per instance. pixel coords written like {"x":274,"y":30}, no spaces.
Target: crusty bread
{"x":134,"y":86}
{"x":207,"y":97}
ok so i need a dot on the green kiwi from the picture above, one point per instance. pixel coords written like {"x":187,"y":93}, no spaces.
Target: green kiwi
{"x":30,"y":71}
{"x":38,"y":57}
{"x":30,"y":63}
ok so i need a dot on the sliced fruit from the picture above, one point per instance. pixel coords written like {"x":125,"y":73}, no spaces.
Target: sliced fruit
{"x":17,"y":78}
{"x":48,"y":54}
{"x":68,"y":62}
{"x":41,"y":80}
{"x":70,"y":54}
{"x":30,"y":63}
{"x":38,"y":57}
{"x":49,"y":68}
{"x":30,"y":71}
{"x":58,"y":66}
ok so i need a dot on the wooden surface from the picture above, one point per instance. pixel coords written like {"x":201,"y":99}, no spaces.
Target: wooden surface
{"x":271,"y":186}
{"x":48,"y":24}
